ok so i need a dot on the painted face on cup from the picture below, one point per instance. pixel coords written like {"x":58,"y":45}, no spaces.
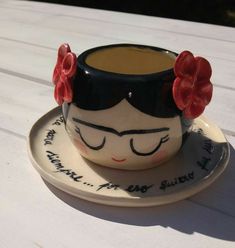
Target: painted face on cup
{"x":134,"y":140}
{"x":118,"y":105}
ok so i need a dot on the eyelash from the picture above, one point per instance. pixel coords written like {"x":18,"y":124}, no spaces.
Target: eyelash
{"x":99,"y":147}
{"x":163,"y":140}
{"x":91,"y":147}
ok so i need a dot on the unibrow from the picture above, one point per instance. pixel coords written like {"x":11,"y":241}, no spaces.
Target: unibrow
{"x":111,"y":130}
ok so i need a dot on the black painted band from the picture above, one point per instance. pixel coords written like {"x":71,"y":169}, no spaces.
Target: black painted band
{"x":95,"y":89}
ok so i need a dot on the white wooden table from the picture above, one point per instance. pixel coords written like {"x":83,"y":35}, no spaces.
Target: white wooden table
{"x":34,"y":213}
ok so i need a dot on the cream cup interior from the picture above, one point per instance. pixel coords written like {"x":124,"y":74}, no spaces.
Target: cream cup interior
{"x":131,"y":60}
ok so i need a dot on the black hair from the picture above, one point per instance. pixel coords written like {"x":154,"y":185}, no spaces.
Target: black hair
{"x":95,"y":89}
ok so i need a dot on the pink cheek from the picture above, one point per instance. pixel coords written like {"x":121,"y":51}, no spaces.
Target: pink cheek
{"x":159,"y":156}
{"x":80,"y":146}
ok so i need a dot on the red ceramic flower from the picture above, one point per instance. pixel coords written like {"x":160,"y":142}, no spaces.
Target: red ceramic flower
{"x":192,"y":89}
{"x":64,"y":71}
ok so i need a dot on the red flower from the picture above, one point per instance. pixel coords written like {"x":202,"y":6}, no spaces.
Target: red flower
{"x":192,"y":89}
{"x":64,"y":70}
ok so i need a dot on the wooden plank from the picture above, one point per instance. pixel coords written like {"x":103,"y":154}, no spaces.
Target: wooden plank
{"x":155,"y":23}
{"x":223,"y":69}
{"x":22,"y":102}
{"x":178,"y":42}
{"x":41,"y":216}
{"x":32,"y":44}
{"x":38,"y":61}
{"x":28,"y":60}
{"x":221,"y":109}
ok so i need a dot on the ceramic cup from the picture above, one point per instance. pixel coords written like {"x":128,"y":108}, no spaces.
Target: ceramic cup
{"x":130,"y":106}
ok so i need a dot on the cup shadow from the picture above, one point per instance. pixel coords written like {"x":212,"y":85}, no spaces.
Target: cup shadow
{"x":187,"y":216}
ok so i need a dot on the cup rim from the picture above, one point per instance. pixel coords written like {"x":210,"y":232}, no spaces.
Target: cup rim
{"x":83,"y":65}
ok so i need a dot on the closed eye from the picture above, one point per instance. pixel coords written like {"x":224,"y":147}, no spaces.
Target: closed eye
{"x":88,"y":145}
{"x":162,"y":140}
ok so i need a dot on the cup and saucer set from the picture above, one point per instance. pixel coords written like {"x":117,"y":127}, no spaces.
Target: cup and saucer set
{"x":128,"y":130}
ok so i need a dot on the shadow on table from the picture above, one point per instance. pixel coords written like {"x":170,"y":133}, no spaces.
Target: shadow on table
{"x":186,"y":216}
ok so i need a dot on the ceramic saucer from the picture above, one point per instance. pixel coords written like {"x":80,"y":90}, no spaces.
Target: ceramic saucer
{"x":201,"y":160}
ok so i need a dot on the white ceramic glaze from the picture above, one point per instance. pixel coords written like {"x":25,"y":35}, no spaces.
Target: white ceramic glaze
{"x":151,"y":148}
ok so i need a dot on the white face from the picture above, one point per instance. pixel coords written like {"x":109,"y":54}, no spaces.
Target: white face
{"x":123,"y":137}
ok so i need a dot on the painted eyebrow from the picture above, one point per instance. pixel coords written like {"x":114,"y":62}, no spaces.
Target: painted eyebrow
{"x":111,"y":130}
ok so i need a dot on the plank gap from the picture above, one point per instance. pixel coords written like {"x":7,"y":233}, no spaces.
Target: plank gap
{"x":4,"y":130}
{"x":211,"y":208}
{"x":26,"y":77}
